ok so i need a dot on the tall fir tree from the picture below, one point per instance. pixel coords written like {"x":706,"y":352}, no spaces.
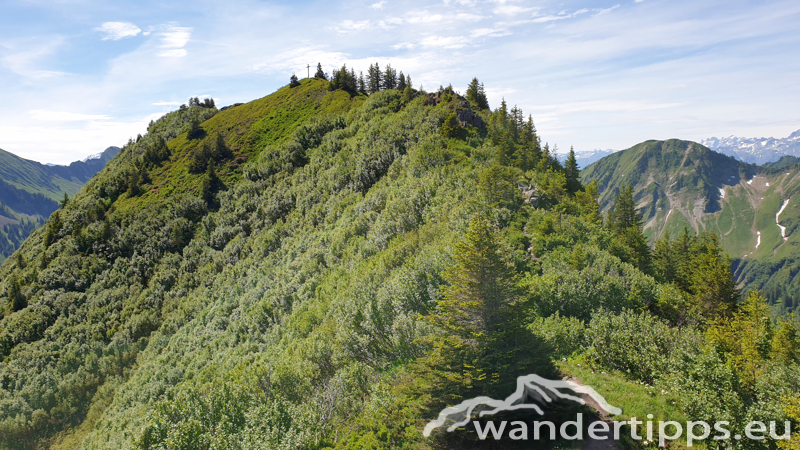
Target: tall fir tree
{"x":476,"y":314}
{"x":572,"y":172}
{"x":374,"y":79}
{"x":477,"y":95}
{"x":320,"y":73}
{"x":624,"y":215}
{"x":389,"y":78}
{"x":401,"y":82}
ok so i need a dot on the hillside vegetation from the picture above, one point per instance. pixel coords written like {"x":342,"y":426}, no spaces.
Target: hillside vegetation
{"x":320,"y":268}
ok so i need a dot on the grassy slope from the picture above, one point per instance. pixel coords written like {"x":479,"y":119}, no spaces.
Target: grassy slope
{"x":35,"y":178}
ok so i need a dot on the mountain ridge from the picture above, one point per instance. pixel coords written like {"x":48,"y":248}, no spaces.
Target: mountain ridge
{"x":681,"y":184}
{"x":30,"y":192}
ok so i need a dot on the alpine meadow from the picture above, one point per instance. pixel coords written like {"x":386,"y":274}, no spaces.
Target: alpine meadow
{"x":331,"y":265}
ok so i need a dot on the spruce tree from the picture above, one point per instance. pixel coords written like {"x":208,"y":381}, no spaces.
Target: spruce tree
{"x":624,"y":215}
{"x":572,"y":172}
{"x":64,"y":201}
{"x":362,"y":86}
{"x":476,"y":95}
{"x":320,"y":73}
{"x":293,"y":81}
{"x":374,"y":79}
{"x":389,"y":78}
{"x":477,"y":349}
{"x":401,"y":82}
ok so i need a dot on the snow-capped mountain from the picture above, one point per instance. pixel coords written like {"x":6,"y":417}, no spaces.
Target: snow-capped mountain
{"x":756,"y":150}
{"x":94,"y":156}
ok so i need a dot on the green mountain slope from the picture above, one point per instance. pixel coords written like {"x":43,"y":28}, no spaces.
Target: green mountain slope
{"x":681,"y":184}
{"x":30,"y":191}
{"x":321,"y":269}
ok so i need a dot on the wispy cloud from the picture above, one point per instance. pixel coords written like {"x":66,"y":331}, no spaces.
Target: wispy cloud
{"x":562,"y":15}
{"x":166,"y":104}
{"x":602,"y":11}
{"x":348,"y":25}
{"x":417,"y":17}
{"x":118,"y":30}
{"x":378,"y":5}
{"x":174,"y":38}
{"x":448,"y":42}
{"x":489,"y":32}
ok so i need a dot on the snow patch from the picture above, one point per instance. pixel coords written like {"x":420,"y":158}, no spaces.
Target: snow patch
{"x":95,"y":156}
{"x":778,"y":218}
{"x":751,"y":180}
{"x":767,"y":184}
{"x":722,"y":193}
{"x":758,"y":240}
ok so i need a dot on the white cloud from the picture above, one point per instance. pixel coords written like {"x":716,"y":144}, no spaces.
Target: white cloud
{"x":489,"y":32}
{"x":166,"y":104}
{"x":64,"y":116}
{"x":511,"y":10}
{"x":403,"y":45}
{"x":562,"y":15}
{"x":449,"y":42}
{"x":469,"y":17}
{"x":607,"y":10}
{"x":117,"y":30}
{"x":174,"y":38}
{"x":378,"y":5}
{"x":348,"y":25}
{"x":423,"y":17}
{"x":390,"y":23}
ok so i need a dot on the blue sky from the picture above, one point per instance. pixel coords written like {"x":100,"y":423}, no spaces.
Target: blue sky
{"x":78,"y":76}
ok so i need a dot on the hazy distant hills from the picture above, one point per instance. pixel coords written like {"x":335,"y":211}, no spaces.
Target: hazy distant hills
{"x":754,"y":209}
{"x":30,"y":191}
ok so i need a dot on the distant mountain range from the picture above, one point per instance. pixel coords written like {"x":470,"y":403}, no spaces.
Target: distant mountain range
{"x":756,"y":150}
{"x":30,"y":191}
{"x":754,"y":209}
{"x":750,"y":150}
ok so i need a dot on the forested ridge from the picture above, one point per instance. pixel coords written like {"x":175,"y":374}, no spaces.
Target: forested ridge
{"x":330,"y":266}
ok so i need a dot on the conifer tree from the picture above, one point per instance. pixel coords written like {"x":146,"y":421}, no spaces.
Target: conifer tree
{"x":293,"y":81}
{"x":64,"y":201}
{"x":476,"y":95}
{"x":572,"y":172}
{"x":626,"y":223}
{"x":389,"y":78}
{"x":624,"y":215}
{"x":408,"y":82}
{"x":362,"y":86}
{"x":14,"y":293}
{"x":374,"y":79}
{"x":476,"y":314}
{"x":401,"y":82}
{"x":320,"y":73}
